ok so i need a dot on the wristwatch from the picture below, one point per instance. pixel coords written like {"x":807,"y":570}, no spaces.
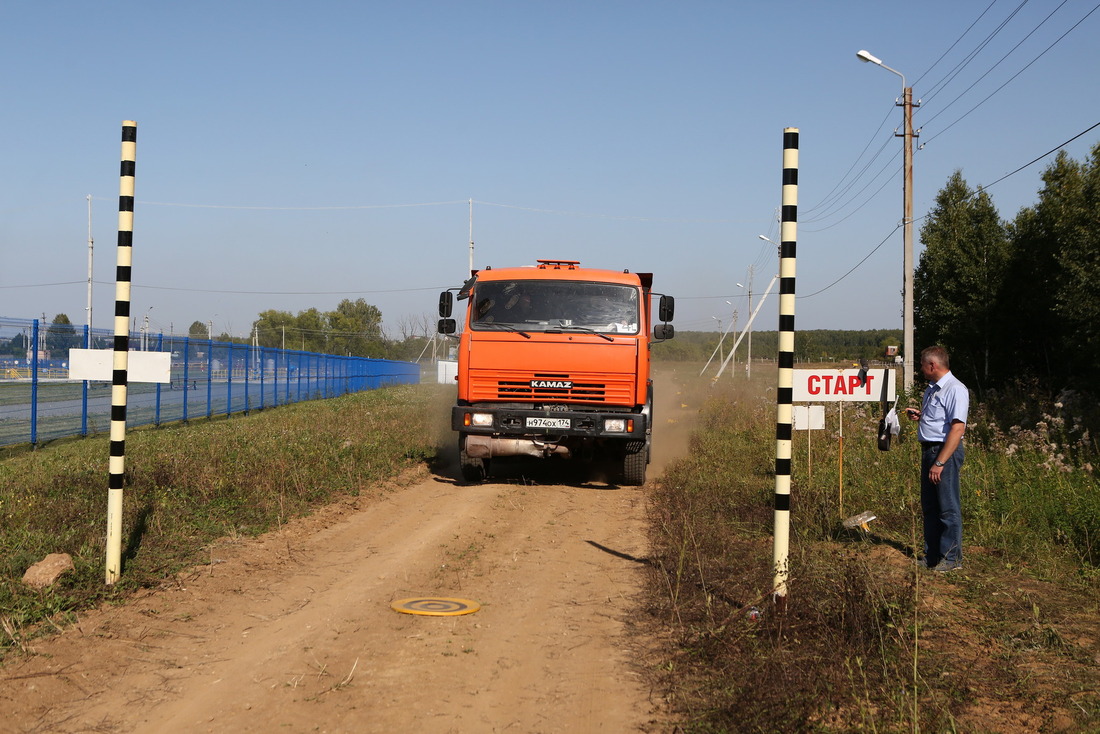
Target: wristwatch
{"x":940,"y":463}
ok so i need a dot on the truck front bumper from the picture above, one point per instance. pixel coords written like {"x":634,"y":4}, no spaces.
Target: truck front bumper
{"x":549,"y":425}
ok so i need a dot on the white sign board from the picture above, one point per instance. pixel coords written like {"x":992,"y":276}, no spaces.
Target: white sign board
{"x":830,"y":386}
{"x":446,"y":372}
{"x":99,"y":364}
{"x":808,"y":417}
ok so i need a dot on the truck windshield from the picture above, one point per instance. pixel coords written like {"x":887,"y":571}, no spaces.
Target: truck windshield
{"x":555,"y":306}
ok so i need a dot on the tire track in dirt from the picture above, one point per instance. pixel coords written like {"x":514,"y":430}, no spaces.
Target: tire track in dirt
{"x":295,"y":633}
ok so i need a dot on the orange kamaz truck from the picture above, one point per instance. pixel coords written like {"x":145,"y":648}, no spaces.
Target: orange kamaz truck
{"x":553,"y":361}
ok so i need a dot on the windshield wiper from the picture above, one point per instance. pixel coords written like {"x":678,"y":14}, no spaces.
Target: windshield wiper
{"x":585,"y":329}
{"x":506,"y":327}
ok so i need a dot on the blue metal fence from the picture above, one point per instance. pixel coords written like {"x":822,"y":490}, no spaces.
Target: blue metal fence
{"x":38,"y":401}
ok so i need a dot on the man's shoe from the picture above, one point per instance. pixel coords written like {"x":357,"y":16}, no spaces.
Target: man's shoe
{"x":945,"y":566}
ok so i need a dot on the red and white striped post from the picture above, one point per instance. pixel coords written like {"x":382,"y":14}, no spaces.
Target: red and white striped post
{"x":121,"y":351}
{"x":785,"y":386}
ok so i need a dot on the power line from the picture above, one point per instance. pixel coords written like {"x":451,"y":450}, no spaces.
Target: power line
{"x":881,"y":171}
{"x":293,"y":208}
{"x":232,"y":293}
{"x":1001,"y":61}
{"x":865,"y":203}
{"x":854,"y":267}
{"x":610,"y":216}
{"x":1044,"y":155}
{"x":938,"y":86}
{"x":281,"y":293}
{"x":956,"y":43}
{"x":827,"y":198}
{"x":43,"y":285}
{"x":833,"y":209}
{"x":979,"y":190}
{"x":1010,"y":79}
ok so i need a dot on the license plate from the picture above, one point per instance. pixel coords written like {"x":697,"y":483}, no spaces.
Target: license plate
{"x":535,"y":422}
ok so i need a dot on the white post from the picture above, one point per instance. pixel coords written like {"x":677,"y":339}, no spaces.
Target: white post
{"x":785,"y":380}
{"x":90,"y":248}
{"x":121,"y":352}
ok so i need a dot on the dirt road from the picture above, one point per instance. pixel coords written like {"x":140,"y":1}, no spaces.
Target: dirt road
{"x":294,"y":631}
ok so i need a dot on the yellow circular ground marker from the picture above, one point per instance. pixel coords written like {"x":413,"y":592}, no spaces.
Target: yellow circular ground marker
{"x":435,"y":606}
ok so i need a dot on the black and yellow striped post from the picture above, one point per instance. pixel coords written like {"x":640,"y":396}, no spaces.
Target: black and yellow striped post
{"x":121,"y":352}
{"x":785,"y":386}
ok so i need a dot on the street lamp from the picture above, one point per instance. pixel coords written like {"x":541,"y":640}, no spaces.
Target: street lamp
{"x":907,"y":217}
{"x":768,"y":239}
{"x":145,"y":331}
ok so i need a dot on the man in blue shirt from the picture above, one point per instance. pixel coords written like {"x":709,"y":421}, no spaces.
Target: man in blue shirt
{"x":942,"y":419}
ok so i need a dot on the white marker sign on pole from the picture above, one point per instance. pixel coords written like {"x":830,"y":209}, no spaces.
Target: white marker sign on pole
{"x":824,"y":386}
{"x":96,"y":364}
{"x":808,"y":417}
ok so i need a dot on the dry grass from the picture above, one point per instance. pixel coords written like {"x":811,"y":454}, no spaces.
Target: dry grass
{"x":190,"y":484}
{"x":867,"y":641}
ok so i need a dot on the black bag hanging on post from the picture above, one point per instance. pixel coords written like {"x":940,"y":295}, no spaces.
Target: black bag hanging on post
{"x":884,"y":435}
{"x":884,"y":429}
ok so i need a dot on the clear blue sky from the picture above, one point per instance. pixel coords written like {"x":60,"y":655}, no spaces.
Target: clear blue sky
{"x":281,"y":145}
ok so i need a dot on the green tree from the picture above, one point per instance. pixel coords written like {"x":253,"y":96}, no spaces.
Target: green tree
{"x":198,"y":330}
{"x":1077,"y":237}
{"x":1051,"y":302}
{"x":312,"y":331}
{"x":959,"y":279}
{"x":61,"y":336}
{"x":276,"y":329}
{"x":356,"y":328}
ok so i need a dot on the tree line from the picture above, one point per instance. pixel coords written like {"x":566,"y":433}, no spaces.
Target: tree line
{"x":353,"y":328}
{"x":1015,"y":300}
{"x":815,"y":345}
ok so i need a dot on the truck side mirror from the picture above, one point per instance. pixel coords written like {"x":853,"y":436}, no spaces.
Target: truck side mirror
{"x":667,"y":308}
{"x":446,"y":300}
{"x":663,"y":332}
{"x":446,"y":326}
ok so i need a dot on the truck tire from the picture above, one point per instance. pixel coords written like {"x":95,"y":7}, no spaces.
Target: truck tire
{"x":474,"y":471}
{"x":634,"y":466}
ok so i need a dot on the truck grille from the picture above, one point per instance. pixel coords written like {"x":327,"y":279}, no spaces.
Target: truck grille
{"x":587,"y":388}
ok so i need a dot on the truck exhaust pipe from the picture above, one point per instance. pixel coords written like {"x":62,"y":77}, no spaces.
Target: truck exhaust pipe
{"x":486,"y":447}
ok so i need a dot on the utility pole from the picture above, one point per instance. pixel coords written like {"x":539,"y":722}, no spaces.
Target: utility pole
{"x":907,"y":236}
{"x":721,"y":337}
{"x":748,"y":361}
{"x":90,"y":243}
{"x":471,"y":235}
{"x":907,"y":135}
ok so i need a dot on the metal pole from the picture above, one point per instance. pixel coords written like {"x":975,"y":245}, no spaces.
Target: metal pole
{"x":90,"y":248}
{"x":36,"y":347}
{"x":121,"y":351}
{"x":748,"y":361}
{"x":785,"y":386}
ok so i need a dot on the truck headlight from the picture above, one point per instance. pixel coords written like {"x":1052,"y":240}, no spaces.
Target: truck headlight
{"x":618,"y":425}
{"x":481,"y":419}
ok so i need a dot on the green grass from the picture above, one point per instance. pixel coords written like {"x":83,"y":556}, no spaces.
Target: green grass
{"x":867,"y":641}
{"x":187,"y":485}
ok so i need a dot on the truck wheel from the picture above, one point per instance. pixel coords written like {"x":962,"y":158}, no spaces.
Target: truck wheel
{"x":634,"y":465}
{"x":474,"y":471}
